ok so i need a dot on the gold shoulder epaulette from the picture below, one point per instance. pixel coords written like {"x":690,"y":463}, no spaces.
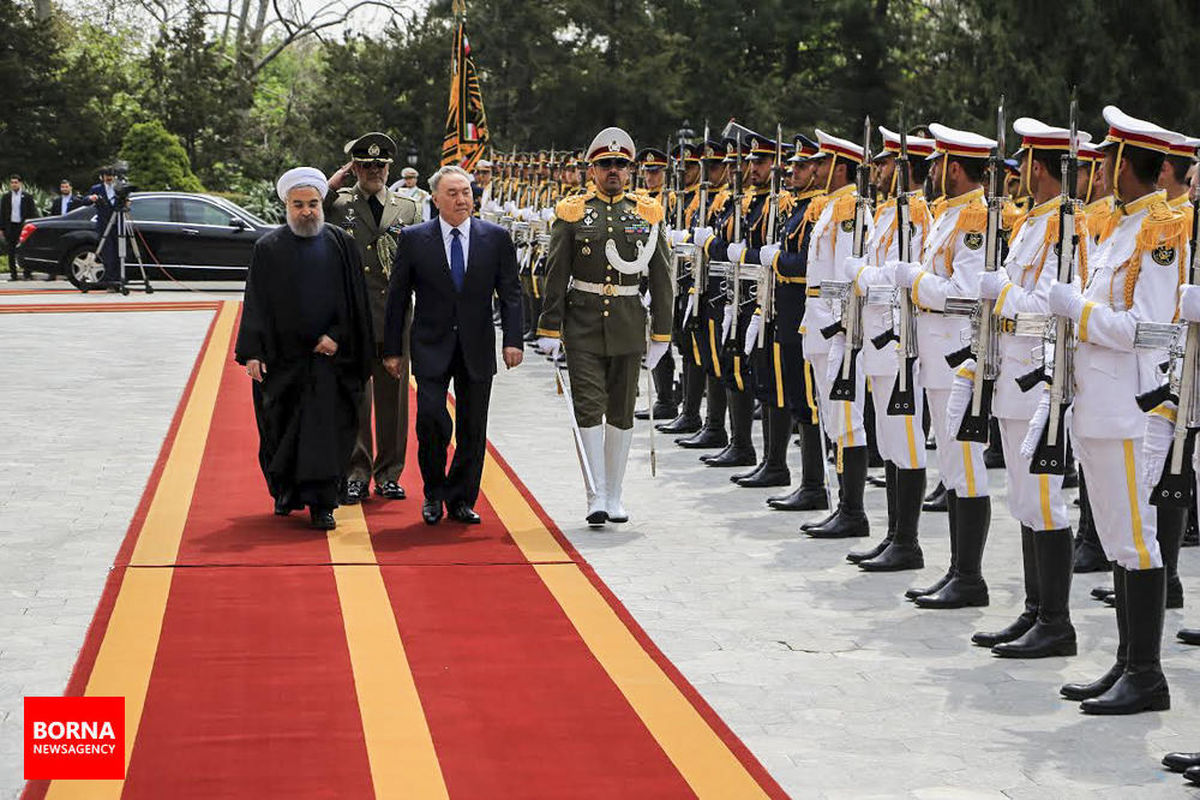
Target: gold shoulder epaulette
{"x":649,"y":209}
{"x":1163,"y":226}
{"x":972,"y":219}
{"x":570,"y":209}
{"x":918,"y":211}
{"x":843,"y":207}
{"x":787,"y":201}
{"x":719,"y":201}
{"x":879,"y":209}
{"x":1011,"y":216}
{"x":816,"y":207}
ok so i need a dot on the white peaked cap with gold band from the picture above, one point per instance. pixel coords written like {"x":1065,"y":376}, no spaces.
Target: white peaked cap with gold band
{"x":833,"y":146}
{"x":1186,"y":147}
{"x":301,"y":176}
{"x":611,"y":143}
{"x":1037,"y":135}
{"x":917,"y":145}
{"x":949,"y":141}
{"x":1127,"y":131}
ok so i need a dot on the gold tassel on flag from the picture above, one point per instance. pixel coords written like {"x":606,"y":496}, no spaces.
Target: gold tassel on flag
{"x":466,"y":137}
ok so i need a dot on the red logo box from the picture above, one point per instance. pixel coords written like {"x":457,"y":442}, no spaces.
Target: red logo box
{"x":74,"y":738}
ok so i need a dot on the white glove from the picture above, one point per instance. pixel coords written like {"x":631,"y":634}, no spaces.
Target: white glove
{"x":679,"y":236}
{"x":549,"y":346}
{"x":960,"y":400}
{"x":655,"y":352}
{"x":837,"y":353}
{"x":645,"y":298}
{"x":547,"y":214}
{"x":1033,"y":435}
{"x":906,"y":272}
{"x":727,"y":322}
{"x":752,"y":333}
{"x":1155,"y":444}
{"x":991,"y":284}
{"x":852,"y":265}
{"x":1189,"y":302}
{"x":767,"y":253}
{"x":701,"y":235}
{"x":735,"y":251}
{"x":1066,"y":301}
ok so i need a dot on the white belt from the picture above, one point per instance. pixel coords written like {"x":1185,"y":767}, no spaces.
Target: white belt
{"x":606,"y":289}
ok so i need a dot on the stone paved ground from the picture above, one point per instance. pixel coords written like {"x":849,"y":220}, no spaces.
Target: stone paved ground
{"x":839,"y":687}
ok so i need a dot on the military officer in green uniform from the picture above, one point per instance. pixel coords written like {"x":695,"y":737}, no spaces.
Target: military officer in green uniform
{"x":374,"y":215}
{"x":601,"y":245}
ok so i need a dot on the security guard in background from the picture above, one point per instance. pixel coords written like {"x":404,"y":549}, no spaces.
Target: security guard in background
{"x":374,"y":215}
{"x":601,"y":245}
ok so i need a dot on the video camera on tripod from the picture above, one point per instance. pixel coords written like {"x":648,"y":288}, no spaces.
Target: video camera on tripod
{"x":121,"y":227}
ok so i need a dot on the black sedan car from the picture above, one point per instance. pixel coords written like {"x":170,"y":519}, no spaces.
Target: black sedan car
{"x":181,"y":235}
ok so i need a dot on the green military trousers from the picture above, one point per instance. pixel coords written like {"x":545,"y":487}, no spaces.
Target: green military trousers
{"x":604,"y":388}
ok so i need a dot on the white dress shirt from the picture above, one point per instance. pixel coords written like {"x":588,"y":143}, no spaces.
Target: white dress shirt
{"x":465,"y":230}
{"x":63,"y":204}
{"x":15,"y":214}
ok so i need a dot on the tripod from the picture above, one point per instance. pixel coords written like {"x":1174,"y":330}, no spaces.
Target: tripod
{"x":121,"y":225}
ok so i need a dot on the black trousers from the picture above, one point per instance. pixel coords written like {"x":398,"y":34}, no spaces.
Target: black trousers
{"x":469,"y":426}
{"x":12,"y":232}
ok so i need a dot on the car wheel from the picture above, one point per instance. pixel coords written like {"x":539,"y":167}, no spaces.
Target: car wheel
{"x":83,"y":267}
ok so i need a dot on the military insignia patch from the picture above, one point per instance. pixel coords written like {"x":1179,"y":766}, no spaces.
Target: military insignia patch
{"x":1163,"y":255}
{"x":973,"y":241}
{"x":395,"y":228}
{"x":848,"y":225}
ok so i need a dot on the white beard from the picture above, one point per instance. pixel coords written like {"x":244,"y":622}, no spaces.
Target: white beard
{"x":307,"y":229}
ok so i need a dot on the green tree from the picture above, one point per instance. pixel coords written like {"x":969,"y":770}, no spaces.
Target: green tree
{"x":157,"y":160}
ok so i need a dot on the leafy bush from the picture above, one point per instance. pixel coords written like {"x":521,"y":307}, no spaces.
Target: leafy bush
{"x":157,"y":160}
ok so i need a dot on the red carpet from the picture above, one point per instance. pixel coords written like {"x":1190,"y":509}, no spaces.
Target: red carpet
{"x":262,"y":659}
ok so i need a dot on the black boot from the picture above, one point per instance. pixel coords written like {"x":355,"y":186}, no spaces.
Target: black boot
{"x":937,"y":500}
{"x":993,"y":454}
{"x":808,"y":526}
{"x":688,"y":421}
{"x":712,"y":435}
{"x":1027,"y":617}
{"x":740,"y":452}
{"x":1191,"y":532}
{"x":889,"y":477}
{"x":665,"y":404}
{"x":1142,"y":686}
{"x":777,"y":430}
{"x":1089,"y":554}
{"x":903,"y":552}
{"x":1171,"y":522}
{"x":967,"y":587}
{"x":738,"y":477}
{"x":1188,"y":635}
{"x":1052,"y":634}
{"x":952,"y":509}
{"x":811,"y":494}
{"x":1082,"y":691}
{"x":850,"y":519}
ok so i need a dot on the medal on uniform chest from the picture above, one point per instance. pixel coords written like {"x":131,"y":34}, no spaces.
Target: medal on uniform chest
{"x":587,"y":250}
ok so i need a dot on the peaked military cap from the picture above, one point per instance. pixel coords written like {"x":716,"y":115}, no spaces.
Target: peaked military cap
{"x":805,"y":149}
{"x":611,"y":143}
{"x":374,"y":146}
{"x":1127,"y":131}
{"x":917,"y":145}
{"x":960,"y":144}
{"x":652,"y":158}
{"x":1185,"y":147}
{"x":712,"y":150}
{"x":1037,"y":135}
{"x":830,"y":145}
{"x":760,"y":146}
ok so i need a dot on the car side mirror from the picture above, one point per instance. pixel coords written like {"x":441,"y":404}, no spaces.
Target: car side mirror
{"x":238,"y":223}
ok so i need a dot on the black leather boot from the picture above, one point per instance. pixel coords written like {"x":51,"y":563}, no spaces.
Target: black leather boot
{"x":1171,"y":522}
{"x":889,"y":479}
{"x":1027,"y":617}
{"x":737,"y":477}
{"x":967,"y":587}
{"x":1142,"y":686}
{"x":811,"y":494}
{"x":903,"y":552}
{"x":952,"y":509}
{"x":1188,"y":635}
{"x":807,"y":526}
{"x":692,"y":378}
{"x":777,"y":430}
{"x":740,"y":452}
{"x":712,"y":435}
{"x":1082,"y":691}
{"x":1052,"y":634}
{"x":850,"y":519}
{"x":937,"y":500}
{"x":1089,"y":554}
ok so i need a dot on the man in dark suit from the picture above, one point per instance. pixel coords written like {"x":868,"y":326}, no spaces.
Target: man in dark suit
{"x":66,"y":201}
{"x":453,"y":264}
{"x":16,"y":207}
{"x":103,"y":196}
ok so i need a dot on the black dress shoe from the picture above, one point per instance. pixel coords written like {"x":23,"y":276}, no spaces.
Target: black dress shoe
{"x":684,"y":423}
{"x":898,"y":556}
{"x":355,"y":492}
{"x":705,"y":439}
{"x":845,"y":524}
{"x":1192,"y":774}
{"x":1101,"y":592}
{"x":1188,"y":635}
{"x":734,"y":457}
{"x":960,"y":591}
{"x":431,"y":512}
{"x":390,"y":490}
{"x":765,"y":478}
{"x":1179,"y":762}
{"x":738,"y":477}
{"x":321,"y":519}
{"x":461,"y":512}
{"x":805,"y":498}
{"x":283,"y":506}
{"x":937,"y":501}
{"x":876,"y":481}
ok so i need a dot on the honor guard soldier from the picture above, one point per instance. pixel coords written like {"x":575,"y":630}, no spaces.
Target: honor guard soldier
{"x":899,"y":436}
{"x":374,"y":216}
{"x":1133,"y":277}
{"x":789,"y":259}
{"x":950,"y":266}
{"x":1036,"y":501}
{"x":831,"y":241}
{"x":601,"y":245}
{"x":652,"y":164}
{"x":1173,"y":178}
{"x":708,"y":306}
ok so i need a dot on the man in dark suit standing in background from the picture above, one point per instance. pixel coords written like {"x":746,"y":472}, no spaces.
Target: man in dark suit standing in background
{"x":16,"y":208}
{"x":65,"y":201}
{"x":453,"y":264}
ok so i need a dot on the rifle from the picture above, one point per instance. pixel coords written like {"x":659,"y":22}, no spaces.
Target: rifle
{"x":766,"y":283}
{"x":902,"y":402}
{"x":843,"y":388}
{"x":699,"y":260}
{"x":736,"y":289}
{"x":984,"y":347}
{"x":1050,"y":457}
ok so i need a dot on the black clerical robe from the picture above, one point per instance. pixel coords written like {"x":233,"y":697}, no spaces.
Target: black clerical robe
{"x":297,"y":290}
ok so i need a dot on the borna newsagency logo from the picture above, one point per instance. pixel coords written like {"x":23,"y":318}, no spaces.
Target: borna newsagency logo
{"x":74,"y":738}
